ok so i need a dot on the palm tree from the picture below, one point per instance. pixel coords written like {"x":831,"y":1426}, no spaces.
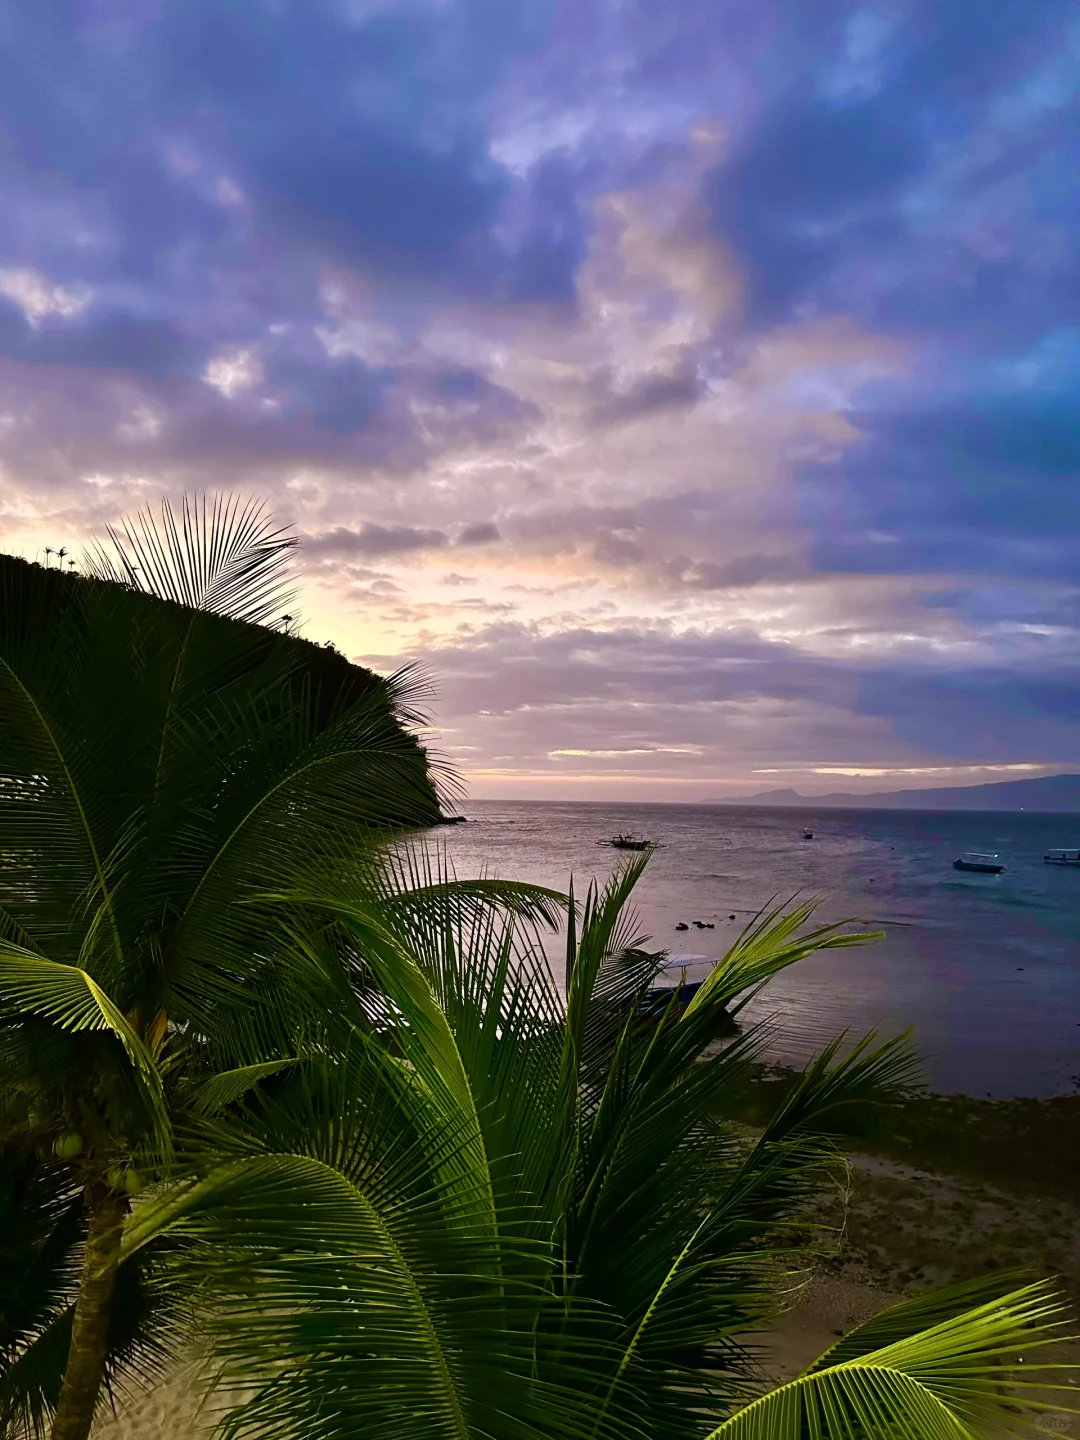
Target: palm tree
{"x":161,"y":764}
{"x":476,"y":1208}
{"x":267,"y":1077}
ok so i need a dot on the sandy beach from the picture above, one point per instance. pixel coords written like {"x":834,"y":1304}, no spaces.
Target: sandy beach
{"x":897,"y":1229}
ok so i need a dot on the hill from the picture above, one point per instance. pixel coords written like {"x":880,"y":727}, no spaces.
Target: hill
{"x":1050,"y":794}
{"x":40,"y":596}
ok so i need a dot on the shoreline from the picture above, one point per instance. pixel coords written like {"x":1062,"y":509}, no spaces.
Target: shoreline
{"x":1029,"y":1145}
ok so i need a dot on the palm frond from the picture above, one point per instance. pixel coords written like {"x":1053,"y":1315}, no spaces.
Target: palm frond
{"x":228,"y":1086}
{"x":229,"y":558}
{"x":769,"y":944}
{"x":73,"y":1000}
{"x":831,"y":1091}
{"x":918,"y":1313}
{"x":944,"y":1382}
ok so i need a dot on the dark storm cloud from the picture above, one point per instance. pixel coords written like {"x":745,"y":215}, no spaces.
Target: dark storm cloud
{"x":338,"y":394}
{"x":474,"y":404}
{"x":553,"y":227}
{"x":653,"y":393}
{"x":362,"y":134}
{"x":1000,"y":712}
{"x":359,"y":137}
{"x":104,"y":338}
{"x":741,"y":572}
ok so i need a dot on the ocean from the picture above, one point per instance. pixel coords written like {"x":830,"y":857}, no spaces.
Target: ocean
{"x":984,"y":968}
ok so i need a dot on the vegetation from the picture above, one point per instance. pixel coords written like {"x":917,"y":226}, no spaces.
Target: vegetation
{"x":276,"y":1088}
{"x":161,"y":765}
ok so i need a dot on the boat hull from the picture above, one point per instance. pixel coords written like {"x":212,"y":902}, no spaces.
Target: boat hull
{"x":978,"y":866}
{"x":660,"y":997}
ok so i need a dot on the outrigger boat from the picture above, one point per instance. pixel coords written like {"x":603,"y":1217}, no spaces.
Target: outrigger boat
{"x":1062,"y":857}
{"x":628,"y":842}
{"x":984,"y":864}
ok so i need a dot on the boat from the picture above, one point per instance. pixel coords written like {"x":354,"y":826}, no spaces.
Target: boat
{"x":1062,"y":857}
{"x":808,"y":834}
{"x":974,"y":860}
{"x":628,"y":842}
{"x":659,"y":997}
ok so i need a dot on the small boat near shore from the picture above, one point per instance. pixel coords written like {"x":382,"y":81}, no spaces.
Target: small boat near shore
{"x":628,"y":842}
{"x":1062,"y":857}
{"x":984,"y":864}
{"x":659,"y":997}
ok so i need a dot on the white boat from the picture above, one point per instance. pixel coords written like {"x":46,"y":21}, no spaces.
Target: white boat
{"x":975,"y":860}
{"x":1062,"y":857}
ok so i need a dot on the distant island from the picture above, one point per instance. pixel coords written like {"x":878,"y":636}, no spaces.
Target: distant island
{"x":1050,"y":794}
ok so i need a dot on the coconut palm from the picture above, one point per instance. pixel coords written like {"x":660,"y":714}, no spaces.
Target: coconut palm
{"x":160,"y":765}
{"x":484,"y":1205}
{"x":269,"y":1082}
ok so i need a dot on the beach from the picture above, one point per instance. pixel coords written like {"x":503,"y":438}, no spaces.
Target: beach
{"x":982,"y":1191}
{"x":899,"y":1229}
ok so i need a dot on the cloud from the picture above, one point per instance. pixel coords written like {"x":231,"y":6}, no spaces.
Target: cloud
{"x":37,"y":298}
{"x":484,"y":533}
{"x":953,"y":488}
{"x":734,"y":347}
{"x":372,"y":540}
{"x":914,"y":182}
{"x":658,"y":712}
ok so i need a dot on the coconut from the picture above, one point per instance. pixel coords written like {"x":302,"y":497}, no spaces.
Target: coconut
{"x":68,"y":1145}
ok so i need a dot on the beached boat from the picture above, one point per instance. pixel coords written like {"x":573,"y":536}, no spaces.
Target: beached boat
{"x":1062,"y":857}
{"x":628,"y":842}
{"x":974,"y":860}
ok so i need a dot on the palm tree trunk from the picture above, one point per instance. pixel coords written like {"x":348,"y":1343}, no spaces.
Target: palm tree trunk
{"x":85,"y":1367}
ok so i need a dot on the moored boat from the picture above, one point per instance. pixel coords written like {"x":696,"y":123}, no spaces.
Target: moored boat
{"x":1062,"y":857}
{"x":985,"y":864}
{"x":659,"y":997}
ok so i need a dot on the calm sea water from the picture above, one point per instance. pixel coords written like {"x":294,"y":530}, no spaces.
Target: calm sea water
{"x":985,"y":968}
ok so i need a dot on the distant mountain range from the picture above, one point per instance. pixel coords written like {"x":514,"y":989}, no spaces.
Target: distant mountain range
{"x":1051,"y":794}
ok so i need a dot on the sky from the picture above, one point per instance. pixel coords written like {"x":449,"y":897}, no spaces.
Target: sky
{"x":690,"y":388}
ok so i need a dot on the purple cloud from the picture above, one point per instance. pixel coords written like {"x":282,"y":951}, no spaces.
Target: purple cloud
{"x":737,"y":344}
